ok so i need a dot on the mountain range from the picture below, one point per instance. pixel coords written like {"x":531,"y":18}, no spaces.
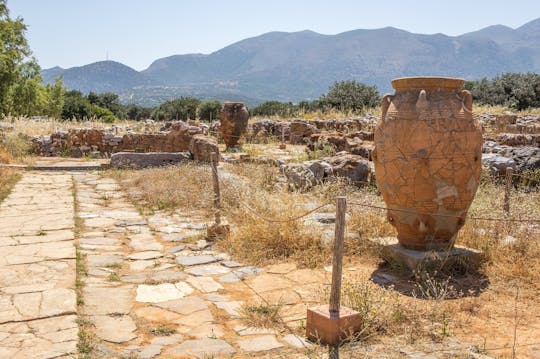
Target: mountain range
{"x":302,"y":65}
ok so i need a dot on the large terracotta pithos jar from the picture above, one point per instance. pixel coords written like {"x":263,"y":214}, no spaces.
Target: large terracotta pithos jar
{"x":234,"y":119}
{"x":428,"y":151}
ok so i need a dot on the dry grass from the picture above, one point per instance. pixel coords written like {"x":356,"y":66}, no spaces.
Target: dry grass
{"x":8,"y":178}
{"x":15,"y":148}
{"x":250,"y":195}
{"x":246,"y":190}
{"x":30,"y":127}
{"x":261,"y":315}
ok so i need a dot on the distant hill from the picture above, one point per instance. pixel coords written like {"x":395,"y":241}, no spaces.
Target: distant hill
{"x":302,"y":65}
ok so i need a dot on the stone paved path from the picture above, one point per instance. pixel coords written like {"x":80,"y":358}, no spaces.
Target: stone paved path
{"x":154,"y":289}
{"x":37,"y":269}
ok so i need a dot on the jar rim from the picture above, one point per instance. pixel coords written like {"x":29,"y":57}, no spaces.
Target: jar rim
{"x":427,"y":82}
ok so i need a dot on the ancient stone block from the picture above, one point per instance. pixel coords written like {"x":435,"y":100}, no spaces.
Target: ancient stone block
{"x":144,"y":160}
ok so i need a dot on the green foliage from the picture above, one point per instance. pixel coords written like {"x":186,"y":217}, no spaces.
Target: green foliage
{"x":350,"y":96}
{"x":55,"y":99}
{"x":15,"y":56}
{"x":275,"y":108}
{"x":109,"y":101}
{"x":345,"y":96}
{"x":183,"y":108}
{"x":209,"y":111}
{"x":517,"y":91}
{"x":77,"y":106}
{"x":27,"y":97}
{"x":137,"y":113}
{"x":104,"y":114}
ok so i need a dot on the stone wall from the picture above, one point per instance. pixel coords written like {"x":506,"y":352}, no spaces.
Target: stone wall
{"x":84,"y":141}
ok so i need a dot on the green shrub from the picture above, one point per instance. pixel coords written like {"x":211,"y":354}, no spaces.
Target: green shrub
{"x":517,"y":91}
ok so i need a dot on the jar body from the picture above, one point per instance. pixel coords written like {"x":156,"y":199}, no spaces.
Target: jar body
{"x":234,"y":120}
{"x":428,"y":151}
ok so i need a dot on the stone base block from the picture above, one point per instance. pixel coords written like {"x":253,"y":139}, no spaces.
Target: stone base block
{"x":328,"y":328}
{"x":395,"y":253}
{"x":218,"y":231}
{"x":149,"y":159}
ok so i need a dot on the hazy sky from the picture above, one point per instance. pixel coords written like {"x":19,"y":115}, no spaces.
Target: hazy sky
{"x":136,"y":32}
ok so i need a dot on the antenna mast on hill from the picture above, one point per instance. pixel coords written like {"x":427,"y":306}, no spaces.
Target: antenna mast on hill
{"x":107,"y":55}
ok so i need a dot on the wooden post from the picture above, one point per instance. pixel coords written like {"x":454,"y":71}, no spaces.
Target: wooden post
{"x":217,"y":195}
{"x":332,"y":324}
{"x":282,"y":145}
{"x":337,"y":262}
{"x":508,"y":187}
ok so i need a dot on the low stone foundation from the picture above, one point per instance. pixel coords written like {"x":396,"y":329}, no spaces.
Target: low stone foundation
{"x":81,"y":142}
{"x":162,"y":147}
{"x":145,"y":160}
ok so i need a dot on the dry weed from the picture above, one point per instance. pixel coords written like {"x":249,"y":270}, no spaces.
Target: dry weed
{"x":15,"y":148}
{"x":261,"y":315}
{"x":8,"y":178}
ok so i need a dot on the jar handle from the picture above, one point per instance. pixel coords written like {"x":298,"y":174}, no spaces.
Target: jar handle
{"x":386,"y":100}
{"x":466,"y":99}
{"x":422,"y":102}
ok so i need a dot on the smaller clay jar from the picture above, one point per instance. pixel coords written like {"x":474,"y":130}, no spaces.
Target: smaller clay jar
{"x":234,"y":119}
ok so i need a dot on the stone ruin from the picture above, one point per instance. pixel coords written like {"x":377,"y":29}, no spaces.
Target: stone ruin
{"x":179,"y":137}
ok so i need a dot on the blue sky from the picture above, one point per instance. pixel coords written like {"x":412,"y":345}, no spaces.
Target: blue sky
{"x":136,"y":32}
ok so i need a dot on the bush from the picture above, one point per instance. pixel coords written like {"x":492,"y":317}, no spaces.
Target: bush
{"x":275,"y":108}
{"x":103,"y":114}
{"x":183,"y":108}
{"x":138,"y":113}
{"x":517,"y":91}
{"x":350,"y":96}
{"x":76,"y":106}
{"x":209,"y":110}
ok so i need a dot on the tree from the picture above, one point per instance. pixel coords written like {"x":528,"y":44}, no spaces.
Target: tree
{"x":16,"y":63}
{"x":274,"y":108}
{"x":350,"y":96}
{"x":209,"y":110}
{"x":137,"y":113}
{"x":183,"y":108}
{"x":108,"y":100}
{"x":55,"y":98}
{"x":76,"y":106}
{"x":517,"y":91}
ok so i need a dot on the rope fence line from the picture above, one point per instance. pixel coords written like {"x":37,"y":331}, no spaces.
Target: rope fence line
{"x":446,"y":215}
{"x":280,"y":220}
{"x":272,"y":220}
{"x":526,"y":177}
